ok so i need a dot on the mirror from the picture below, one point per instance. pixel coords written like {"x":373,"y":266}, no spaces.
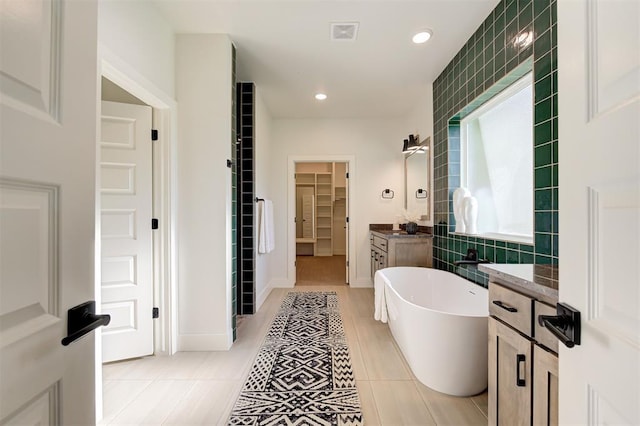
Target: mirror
{"x":417,"y":180}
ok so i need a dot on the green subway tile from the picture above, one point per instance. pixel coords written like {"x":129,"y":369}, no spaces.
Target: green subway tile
{"x":501,"y":255}
{"x":542,"y":66}
{"x":542,"y":259}
{"x":526,"y":248}
{"x":542,"y":111}
{"x":543,"y":88}
{"x":543,"y":155}
{"x":554,"y":250}
{"x":539,"y":6}
{"x":490,"y":253}
{"x":542,"y":44}
{"x":543,"y":222}
{"x":511,"y":11}
{"x":490,"y":242}
{"x":500,"y":23}
{"x":542,"y":21}
{"x":525,"y":53}
{"x":543,"y":177}
{"x":543,"y":243}
{"x":526,"y":258}
{"x":501,"y":244}
{"x":543,"y":199}
{"x":525,"y":15}
{"x":513,"y":256}
{"x":554,"y":175}
{"x":513,"y":246}
{"x":554,"y":12}
{"x":554,"y":105}
{"x":554,"y":152}
{"x":542,"y":133}
{"x":554,"y":222}
{"x":554,"y":124}
{"x":554,"y":201}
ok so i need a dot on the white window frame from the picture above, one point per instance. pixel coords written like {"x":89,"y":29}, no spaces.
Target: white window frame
{"x":508,"y":92}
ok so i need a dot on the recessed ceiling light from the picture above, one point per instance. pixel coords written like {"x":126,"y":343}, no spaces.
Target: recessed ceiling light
{"x":422,"y":37}
{"x":321,"y":96}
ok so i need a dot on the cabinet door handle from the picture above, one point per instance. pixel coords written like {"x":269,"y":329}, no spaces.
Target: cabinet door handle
{"x":505,"y":307}
{"x":520,"y":359}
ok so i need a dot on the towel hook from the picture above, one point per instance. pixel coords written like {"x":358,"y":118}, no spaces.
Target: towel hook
{"x":387,"y":194}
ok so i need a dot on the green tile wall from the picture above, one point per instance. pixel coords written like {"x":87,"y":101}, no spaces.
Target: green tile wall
{"x":490,"y":57}
{"x":234,"y":200}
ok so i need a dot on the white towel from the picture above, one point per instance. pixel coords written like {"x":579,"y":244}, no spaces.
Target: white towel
{"x":266,"y":241}
{"x":380,"y":300}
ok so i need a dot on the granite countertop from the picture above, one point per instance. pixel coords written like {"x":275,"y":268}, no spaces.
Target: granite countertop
{"x":538,"y":281}
{"x":390,"y":233}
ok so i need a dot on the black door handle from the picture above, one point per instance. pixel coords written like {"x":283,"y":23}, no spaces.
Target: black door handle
{"x":81,"y":320}
{"x":565,"y":326}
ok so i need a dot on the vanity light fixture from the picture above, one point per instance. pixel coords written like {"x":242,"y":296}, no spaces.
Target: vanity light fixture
{"x":411,"y":145}
{"x":321,"y":96}
{"x":422,"y":36}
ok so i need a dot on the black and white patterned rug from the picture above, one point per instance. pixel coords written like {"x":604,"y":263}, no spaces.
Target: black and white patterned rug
{"x":302,"y":374}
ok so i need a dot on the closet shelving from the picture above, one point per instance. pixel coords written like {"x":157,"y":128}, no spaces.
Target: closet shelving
{"x":324,"y":214}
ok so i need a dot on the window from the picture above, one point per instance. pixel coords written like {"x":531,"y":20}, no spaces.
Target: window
{"x":497,"y":162}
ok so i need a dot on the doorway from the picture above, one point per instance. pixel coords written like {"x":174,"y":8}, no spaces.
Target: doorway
{"x":321,"y":212}
{"x":137,"y":90}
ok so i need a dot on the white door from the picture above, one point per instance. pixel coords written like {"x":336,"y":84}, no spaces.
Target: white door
{"x":346,"y":225}
{"x":599,"y":161}
{"x":126,"y":209}
{"x":47,"y":208}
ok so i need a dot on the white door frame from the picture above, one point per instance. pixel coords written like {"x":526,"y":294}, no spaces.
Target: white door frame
{"x":165,"y":268}
{"x":291,"y":209}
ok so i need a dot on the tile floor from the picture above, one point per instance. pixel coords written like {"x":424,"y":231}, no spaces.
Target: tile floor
{"x":192,"y":388}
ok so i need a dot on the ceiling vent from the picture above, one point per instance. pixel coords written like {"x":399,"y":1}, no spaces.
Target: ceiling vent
{"x":344,"y":31}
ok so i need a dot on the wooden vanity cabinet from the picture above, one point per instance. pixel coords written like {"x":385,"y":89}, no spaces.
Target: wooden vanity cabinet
{"x":400,"y":250}
{"x":523,"y":369}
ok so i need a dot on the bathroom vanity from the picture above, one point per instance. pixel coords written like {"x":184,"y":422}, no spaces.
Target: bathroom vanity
{"x":397,"y":248}
{"x":523,"y":360}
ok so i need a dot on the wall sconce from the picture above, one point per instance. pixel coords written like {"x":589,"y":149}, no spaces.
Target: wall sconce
{"x":387,"y":194}
{"x":421,"y":193}
{"x":412,"y":144}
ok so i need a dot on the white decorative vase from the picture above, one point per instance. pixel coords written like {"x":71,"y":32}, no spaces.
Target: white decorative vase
{"x":458,"y":208}
{"x":470,"y":214}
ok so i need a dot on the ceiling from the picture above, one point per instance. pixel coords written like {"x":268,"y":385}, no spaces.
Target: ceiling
{"x":286,"y":49}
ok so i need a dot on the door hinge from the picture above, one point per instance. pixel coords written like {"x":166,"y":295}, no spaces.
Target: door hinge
{"x":347,"y":263}
{"x":347,"y":219}
{"x":295,"y":263}
{"x":347,"y":175}
{"x":154,"y":135}
{"x":155,"y":313}
{"x":154,"y":223}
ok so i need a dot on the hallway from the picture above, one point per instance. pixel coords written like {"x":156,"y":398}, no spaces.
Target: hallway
{"x":201,"y":387}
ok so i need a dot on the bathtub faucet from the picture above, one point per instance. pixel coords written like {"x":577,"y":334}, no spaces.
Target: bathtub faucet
{"x":471,"y":258}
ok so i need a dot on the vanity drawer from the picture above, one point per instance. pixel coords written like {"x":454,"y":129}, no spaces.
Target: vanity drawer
{"x":381,"y":243}
{"x":511,"y":307}
{"x":542,"y":335}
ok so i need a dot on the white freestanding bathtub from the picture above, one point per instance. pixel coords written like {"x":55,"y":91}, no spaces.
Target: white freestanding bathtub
{"x":439,"y":321}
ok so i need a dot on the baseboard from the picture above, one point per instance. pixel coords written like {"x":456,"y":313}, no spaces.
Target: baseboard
{"x":262,"y":296}
{"x":204,"y":342}
{"x":281,"y":283}
{"x":362,"y":283}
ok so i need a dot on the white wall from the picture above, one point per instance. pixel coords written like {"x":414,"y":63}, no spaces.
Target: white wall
{"x":136,"y":34}
{"x":203,"y":92}
{"x":376,"y":145}
{"x":262,"y":159}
